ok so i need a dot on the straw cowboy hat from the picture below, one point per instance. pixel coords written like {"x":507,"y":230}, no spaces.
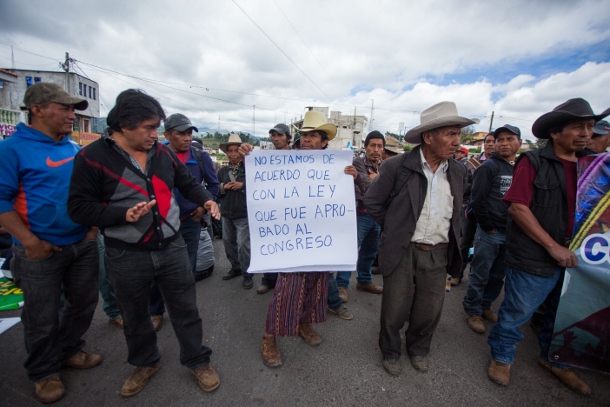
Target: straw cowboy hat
{"x":573,"y":109}
{"x":234,"y":140}
{"x":440,"y":115}
{"x":315,"y":121}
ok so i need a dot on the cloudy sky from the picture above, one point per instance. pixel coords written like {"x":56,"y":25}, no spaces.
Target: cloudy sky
{"x":214,"y":60}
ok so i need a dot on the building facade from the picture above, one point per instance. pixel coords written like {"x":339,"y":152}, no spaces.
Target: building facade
{"x":350,"y":128}
{"x":15,"y":82}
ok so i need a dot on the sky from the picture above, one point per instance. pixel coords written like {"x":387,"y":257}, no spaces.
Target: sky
{"x":246,"y":65}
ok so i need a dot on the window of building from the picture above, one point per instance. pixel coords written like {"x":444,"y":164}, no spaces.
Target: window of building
{"x":89,"y":92}
{"x":93,"y":93}
{"x":80,"y":89}
{"x":86,"y":125}
{"x":29,"y":81}
{"x":37,"y":79}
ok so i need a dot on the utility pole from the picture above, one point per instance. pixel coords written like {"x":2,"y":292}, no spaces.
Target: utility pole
{"x":491,"y":122}
{"x":67,"y":69}
{"x":218,"y":131}
{"x":12,"y":58}
{"x":253,"y":120}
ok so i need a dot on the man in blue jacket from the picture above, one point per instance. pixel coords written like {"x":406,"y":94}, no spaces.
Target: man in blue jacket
{"x":179,"y":136}
{"x":52,"y":254}
{"x":488,"y":269}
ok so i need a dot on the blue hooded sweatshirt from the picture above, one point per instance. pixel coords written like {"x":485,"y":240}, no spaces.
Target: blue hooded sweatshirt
{"x":35,"y":179}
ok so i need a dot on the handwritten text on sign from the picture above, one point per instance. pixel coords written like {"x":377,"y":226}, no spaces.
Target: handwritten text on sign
{"x":301,"y":211}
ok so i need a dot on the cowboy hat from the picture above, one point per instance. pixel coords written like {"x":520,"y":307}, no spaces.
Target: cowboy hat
{"x":315,"y":121}
{"x":573,"y":109}
{"x":440,"y":115}
{"x":234,"y":139}
{"x":394,"y":149}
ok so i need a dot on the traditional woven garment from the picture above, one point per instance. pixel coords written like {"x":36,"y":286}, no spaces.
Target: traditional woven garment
{"x":299,"y":298}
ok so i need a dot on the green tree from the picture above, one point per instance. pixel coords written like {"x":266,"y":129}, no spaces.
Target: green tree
{"x":466,"y":135}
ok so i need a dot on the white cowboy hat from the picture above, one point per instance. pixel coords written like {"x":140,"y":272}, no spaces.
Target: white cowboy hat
{"x":440,"y":115}
{"x":315,"y":121}
{"x":234,"y":139}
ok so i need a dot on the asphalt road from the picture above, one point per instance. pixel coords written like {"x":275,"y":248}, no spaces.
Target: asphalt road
{"x":345,"y":370}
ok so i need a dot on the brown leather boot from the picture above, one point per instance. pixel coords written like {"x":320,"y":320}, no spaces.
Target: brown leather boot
{"x":370,"y":287}
{"x":271,"y":354}
{"x":499,"y":373}
{"x":138,"y":379}
{"x":82,"y":360}
{"x":207,"y":378}
{"x":490,"y":316}
{"x":157,"y":321}
{"x":310,"y":336}
{"x":49,"y":390}
{"x":567,"y":377}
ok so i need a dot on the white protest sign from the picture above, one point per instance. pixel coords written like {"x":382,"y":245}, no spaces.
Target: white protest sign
{"x":301,"y":211}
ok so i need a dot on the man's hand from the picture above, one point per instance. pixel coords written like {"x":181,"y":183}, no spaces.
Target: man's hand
{"x":198,"y":213}
{"x":244,"y":150}
{"x":564,"y":256}
{"x":351,"y":170}
{"x":91,"y":233}
{"x":234,"y":186}
{"x":212,"y":207}
{"x":372,"y":174}
{"x":141,"y":209}
{"x":39,"y":249}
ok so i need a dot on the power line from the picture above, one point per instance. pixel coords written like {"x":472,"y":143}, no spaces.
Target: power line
{"x":307,"y":46}
{"x":280,"y":49}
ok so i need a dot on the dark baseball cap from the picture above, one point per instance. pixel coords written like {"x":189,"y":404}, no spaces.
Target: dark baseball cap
{"x":50,"y":92}
{"x":601,"y":128}
{"x":178,"y":122}
{"x":281,"y":128}
{"x":507,"y":127}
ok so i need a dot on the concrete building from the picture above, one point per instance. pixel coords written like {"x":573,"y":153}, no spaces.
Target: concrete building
{"x":14,"y":83}
{"x":350,"y":128}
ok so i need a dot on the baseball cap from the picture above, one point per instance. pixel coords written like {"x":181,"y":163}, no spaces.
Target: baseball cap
{"x":178,"y":122}
{"x":601,"y":128}
{"x":507,"y":127}
{"x":281,"y":128}
{"x":463,"y":150}
{"x":51,"y":92}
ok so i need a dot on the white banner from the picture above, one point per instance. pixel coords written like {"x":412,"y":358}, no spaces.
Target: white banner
{"x":301,"y":211}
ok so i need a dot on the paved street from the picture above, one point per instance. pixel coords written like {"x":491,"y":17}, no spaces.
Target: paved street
{"x":345,"y":370}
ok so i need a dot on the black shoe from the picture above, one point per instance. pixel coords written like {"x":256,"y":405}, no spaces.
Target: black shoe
{"x":247,"y":283}
{"x":232,"y":274}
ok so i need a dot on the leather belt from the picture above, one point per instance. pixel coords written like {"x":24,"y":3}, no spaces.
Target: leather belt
{"x":428,"y":247}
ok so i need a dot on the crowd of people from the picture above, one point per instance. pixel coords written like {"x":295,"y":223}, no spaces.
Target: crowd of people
{"x":131,"y":217}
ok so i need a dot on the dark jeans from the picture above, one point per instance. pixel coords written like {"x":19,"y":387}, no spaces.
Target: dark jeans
{"x":131,"y":274}
{"x":487,"y":271}
{"x":269,"y":279}
{"x":414,"y":294}
{"x":190,"y":233}
{"x":368,"y":246}
{"x":49,"y":339}
{"x":469,"y":229}
{"x":111,"y":308}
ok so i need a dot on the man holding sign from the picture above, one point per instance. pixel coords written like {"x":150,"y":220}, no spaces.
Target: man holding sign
{"x":300,"y":296}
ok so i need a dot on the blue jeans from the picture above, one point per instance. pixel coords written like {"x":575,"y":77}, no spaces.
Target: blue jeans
{"x":368,"y":245}
{"x":334,"y":301}
{"x":236,"y":239}
{"x":523,"y":294}
{"x":49,"y":338}
{"x":190,"y":233}
{"x":131,"y":274}
{"x":487,"y":271}
{"x":111,"y":308}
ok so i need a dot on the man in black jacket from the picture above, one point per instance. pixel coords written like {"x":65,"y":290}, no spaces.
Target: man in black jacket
{"x":541,"y":219}
{"x":123,"y":184}
{"x":488,"y":269}
{"x":417,"y":200}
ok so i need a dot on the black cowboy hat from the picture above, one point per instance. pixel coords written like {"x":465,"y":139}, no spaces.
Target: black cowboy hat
{"x":577,"y":108}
